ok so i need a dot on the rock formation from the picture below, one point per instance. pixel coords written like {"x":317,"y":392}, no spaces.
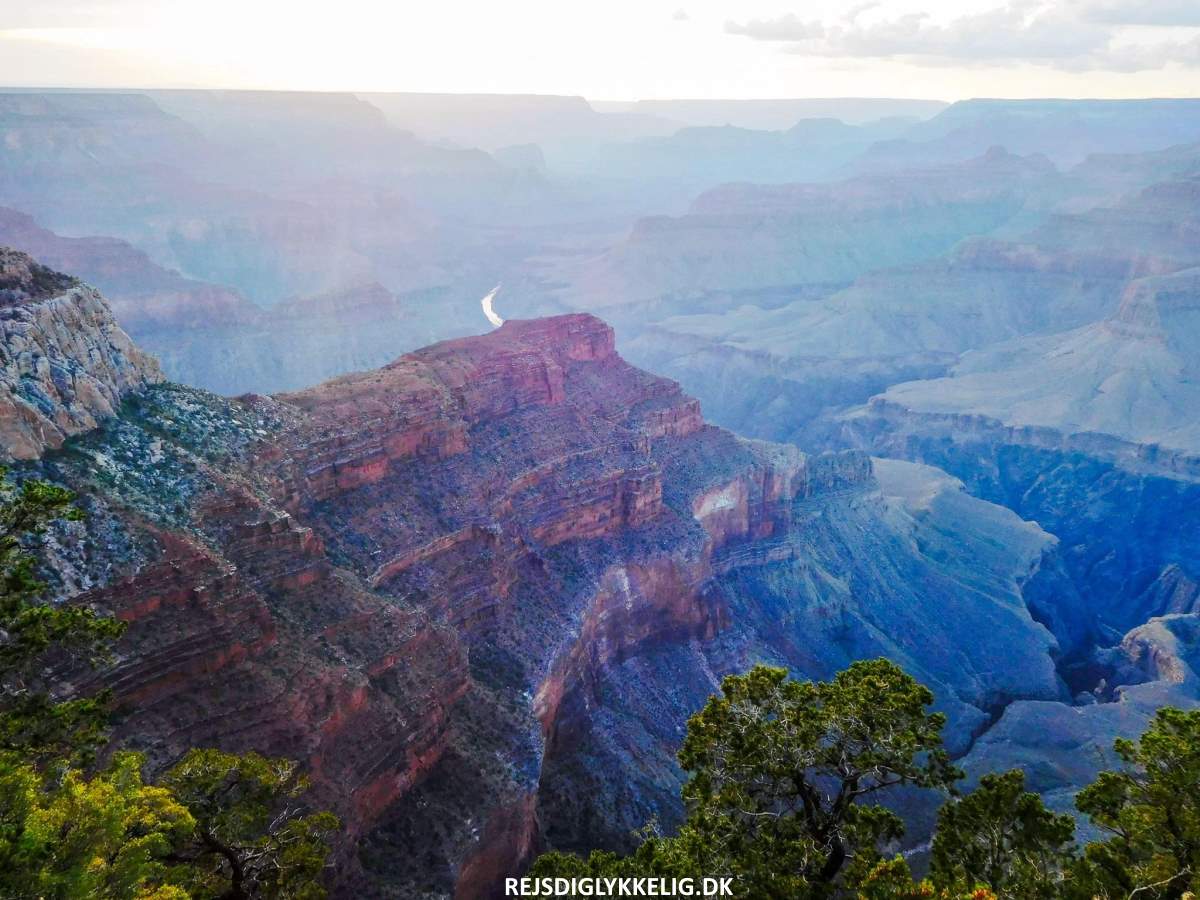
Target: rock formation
{"x":1067,"y":131}
{"x":1100,"y":417}
{"x":1091,"y":433}
{"x":146,"y":298}
{"x":65,"y":364}
{"x":478,"y":591}
{"x":1132,"y":377}
{"x":778,"y":369}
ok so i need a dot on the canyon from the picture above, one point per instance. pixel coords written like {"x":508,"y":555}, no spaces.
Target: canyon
{"x":476,"y":584}
{"x":693,"y":228}
{"x":776,"y":352}
{"x":478,"y":591}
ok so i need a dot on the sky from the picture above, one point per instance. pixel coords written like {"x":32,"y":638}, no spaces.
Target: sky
{"x":615,"y":50}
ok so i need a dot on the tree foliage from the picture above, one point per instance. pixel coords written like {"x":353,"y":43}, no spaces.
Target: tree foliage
{"x":70,"y":836}
{"x":1151,"y":810}
{"x":892,"y":879}
{"x":783,"y":792}
{"x":1002,"y":836}
{"x":781,"y":770}
{"x":785,"y":778}
{"x":252,"y":837}
{"x":220,"y":825}
{"x":38,"y":639}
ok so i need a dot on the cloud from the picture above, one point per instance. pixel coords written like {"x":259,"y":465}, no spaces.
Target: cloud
{"x":1144,"y":12}
{"x":785,"y":28}
{"x":1076,"y":36}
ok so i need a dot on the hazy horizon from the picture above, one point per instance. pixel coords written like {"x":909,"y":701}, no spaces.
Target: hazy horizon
{"x":614,"y":102}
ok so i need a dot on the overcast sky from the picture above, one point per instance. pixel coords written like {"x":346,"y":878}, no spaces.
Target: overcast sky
{"x":616,"y":49}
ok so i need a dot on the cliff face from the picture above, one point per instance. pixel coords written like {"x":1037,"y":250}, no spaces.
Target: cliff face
{"x":1068,"y":428}
{"x":606,"y":555}
{"x":65,"y":364}
{"x":243,"y":633}
{"x":146,"y":298}
{"x":478,"y":591}
{"x":1090,"y":433}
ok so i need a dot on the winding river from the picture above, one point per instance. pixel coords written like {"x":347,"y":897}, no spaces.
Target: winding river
{"x":488,"y":311}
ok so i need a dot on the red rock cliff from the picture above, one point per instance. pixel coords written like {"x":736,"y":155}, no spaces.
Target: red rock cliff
{"x":523,"y":500}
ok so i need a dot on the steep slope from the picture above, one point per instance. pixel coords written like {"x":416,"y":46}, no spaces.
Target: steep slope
{"x":65,"y":364}
{"x":860,"y":574}
{"x":596,"y":524}
{"x":1090,"y":432}
{"x":242,"y":633}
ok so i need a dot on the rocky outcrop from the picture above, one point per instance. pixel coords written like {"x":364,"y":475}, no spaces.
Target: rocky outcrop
{"x":65,"y":364}
{"x":23,"y":280}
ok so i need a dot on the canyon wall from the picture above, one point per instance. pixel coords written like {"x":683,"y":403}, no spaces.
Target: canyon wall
{"x":478,"y":591}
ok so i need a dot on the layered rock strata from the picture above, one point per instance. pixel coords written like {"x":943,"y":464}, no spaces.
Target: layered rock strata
{"x":65,"y":364}
{"x":478,"y":591}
